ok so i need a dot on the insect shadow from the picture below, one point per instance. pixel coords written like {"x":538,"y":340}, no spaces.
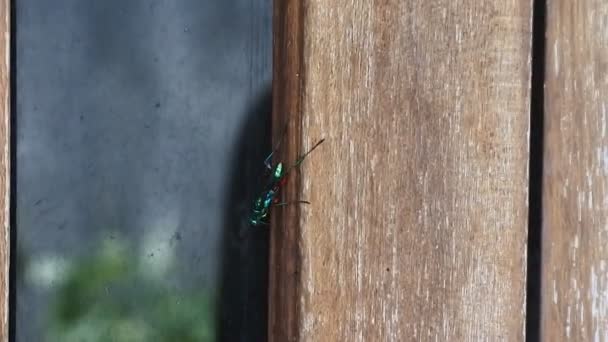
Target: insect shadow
{"x":243,"y":288}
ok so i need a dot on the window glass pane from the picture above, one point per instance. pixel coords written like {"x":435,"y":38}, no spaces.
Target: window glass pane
{"x":141,"y":129}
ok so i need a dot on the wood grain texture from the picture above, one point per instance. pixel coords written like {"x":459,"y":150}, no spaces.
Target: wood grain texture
{"x":285,"y":256}
{"x":575,"y":180}
{"x":5,"y":174}
{"x":417,"y":226}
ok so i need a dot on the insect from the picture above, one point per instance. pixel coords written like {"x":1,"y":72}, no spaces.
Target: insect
{"x":268,"y":197}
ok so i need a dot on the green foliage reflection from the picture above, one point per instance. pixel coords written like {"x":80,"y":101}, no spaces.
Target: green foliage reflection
{"x":112,"y":297}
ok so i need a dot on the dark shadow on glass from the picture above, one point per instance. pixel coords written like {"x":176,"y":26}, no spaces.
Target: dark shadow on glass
{"x":243,"y":297}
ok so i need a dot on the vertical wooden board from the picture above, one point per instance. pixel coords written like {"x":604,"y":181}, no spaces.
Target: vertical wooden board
{"x":4,"y":166}
{"x":284,"y":256}
{"x":417,"y":226}
{"x":575,"y":180}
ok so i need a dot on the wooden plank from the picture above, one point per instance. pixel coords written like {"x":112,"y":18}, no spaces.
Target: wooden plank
{"x":575,"y":180}
{"x":284,"y":258}
{"x":5,"y":177}
{"x":417,"y":226}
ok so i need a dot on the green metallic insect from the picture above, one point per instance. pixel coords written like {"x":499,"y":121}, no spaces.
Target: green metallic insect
{"x":268,"y":197}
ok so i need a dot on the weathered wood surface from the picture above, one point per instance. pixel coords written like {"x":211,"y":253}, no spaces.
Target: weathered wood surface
{"x":575,"y":182}
{"x":417,"y":227}
{"x":4,"y":166}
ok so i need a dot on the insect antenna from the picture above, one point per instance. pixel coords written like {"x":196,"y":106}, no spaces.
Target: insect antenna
{"x":302,"y":157}
{"x":290,"y":202}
